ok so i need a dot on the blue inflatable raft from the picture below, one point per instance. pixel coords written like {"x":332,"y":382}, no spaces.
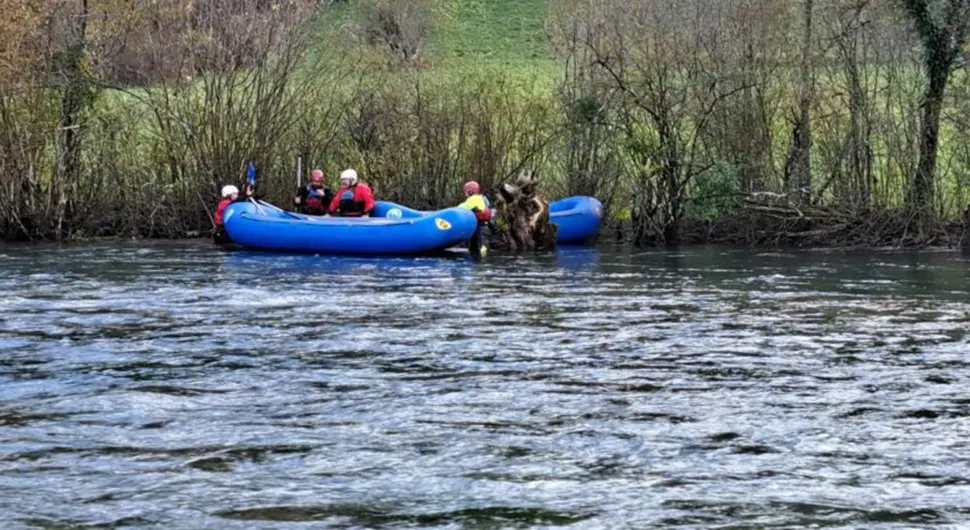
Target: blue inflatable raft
{"x":578,"y":218}
{"x":393,"y":230}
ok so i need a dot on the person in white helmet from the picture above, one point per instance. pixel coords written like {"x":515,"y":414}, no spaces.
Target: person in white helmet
{"x":230,"y":194}
{"x":355,"y":199}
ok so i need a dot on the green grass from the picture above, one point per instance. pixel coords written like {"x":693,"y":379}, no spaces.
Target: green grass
{"x":466,"y":35}
{"x":498,"y":31}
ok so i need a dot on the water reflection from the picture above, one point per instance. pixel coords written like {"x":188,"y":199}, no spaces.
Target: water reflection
{"x":578,"y":258}
{"x":245,"y":262}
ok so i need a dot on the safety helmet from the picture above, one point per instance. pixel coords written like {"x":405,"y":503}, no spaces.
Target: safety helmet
{"x":229,"y":190}
{"x":316,"y":176}
{"x":349,"y":174}
{"x":472,"y":187}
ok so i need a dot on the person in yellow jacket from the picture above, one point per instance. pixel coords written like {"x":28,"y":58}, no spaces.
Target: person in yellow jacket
{"x":477,"y":203}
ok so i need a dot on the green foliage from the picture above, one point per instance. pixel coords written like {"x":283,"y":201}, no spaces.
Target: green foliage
{"x":586,"y":110}
{"x":715,"y":193}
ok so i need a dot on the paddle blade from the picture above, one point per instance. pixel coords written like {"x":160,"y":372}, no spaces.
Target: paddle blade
{"x":252,"y":174}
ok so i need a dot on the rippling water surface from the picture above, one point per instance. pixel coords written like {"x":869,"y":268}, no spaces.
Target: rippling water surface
{"x":171,"y":385}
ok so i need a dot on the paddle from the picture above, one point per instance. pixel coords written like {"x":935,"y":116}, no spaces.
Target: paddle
{"x":299,"y":172}
{"x":280,"y":210}
{"x":251,"y":181}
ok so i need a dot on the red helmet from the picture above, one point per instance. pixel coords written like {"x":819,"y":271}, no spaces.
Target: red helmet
{"x":472,"y":187}
{"x":316,"y":177}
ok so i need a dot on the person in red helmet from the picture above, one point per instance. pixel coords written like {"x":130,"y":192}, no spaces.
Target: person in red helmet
{"x":315,"y":197}
{"x":477,"y":203}
{"x":355,"y":199}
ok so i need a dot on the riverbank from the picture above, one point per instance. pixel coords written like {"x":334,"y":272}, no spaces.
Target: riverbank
{"x":886,"y":230}
{"x":874,"y":232}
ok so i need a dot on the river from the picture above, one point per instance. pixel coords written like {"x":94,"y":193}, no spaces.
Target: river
{"x":171,"y":385}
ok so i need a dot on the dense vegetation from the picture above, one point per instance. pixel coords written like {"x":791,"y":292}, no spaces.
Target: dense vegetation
{"x":807,"y":122}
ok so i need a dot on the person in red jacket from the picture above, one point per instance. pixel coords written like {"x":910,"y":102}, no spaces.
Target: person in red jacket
{"x":354,"y":198}
{"x":230,"y":194}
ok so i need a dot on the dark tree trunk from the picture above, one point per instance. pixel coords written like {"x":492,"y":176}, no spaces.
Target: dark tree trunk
{"x":943,"y":29}
{"x":798,"y":167}
{"x":858,"y":189}
{"x":861,"y":157}
{"x":922,"y":197}
{"x":73,"y":101}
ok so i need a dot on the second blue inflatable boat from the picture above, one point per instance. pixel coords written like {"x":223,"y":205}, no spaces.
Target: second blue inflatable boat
{"x":578,"y":218}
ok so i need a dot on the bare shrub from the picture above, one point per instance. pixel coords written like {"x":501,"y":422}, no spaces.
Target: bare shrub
{"x":419,"y":139}
{"x":591,"y":158}
{"x":245,"y":105}
{"x":400,"y":26}
{"x":742,"y":132}
{"x":512,"y":126}
{"x":153,"y":156}
{"x":665,"y":57}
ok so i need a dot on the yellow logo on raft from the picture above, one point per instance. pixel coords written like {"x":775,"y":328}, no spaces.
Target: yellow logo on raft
{"x":442,"y":224}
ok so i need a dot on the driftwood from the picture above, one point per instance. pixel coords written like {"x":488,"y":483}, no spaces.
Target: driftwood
{"x":523,"y":216}
{"x":776,"y":218}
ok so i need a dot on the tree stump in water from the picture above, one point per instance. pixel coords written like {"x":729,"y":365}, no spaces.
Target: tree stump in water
{"x":523,"y":216}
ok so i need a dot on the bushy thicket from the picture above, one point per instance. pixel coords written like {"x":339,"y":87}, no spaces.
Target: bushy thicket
{"x":752,"y":120}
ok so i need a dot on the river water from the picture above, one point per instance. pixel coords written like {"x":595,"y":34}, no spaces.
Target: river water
{"x":171,"y":385}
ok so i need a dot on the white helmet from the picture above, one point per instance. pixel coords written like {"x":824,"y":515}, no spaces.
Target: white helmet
{"x":349,"y":174}
{"x":229,"y":190}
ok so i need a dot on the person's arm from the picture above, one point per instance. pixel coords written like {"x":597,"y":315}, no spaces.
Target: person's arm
{"x":220,"y":213}
{"x":335,"y":203}
{"x":474,"y":203}
{"x":248,"y":193}
{"x":368,"y":200}
{"x":328,"y":198}
{"x":301,"y":195}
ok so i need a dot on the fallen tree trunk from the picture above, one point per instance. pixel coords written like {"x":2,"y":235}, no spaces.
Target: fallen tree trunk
{"x":523,"y":217}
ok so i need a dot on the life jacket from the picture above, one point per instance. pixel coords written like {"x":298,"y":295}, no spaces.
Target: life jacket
{"x":221,"y":210}
{"x":315,"y":200}
{"x":485,"y":215}
{"x":479,"y":204}
{"x":350,"y":205}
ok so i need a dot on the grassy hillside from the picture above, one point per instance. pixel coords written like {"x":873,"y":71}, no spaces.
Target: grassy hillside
{"x":468,"y":34}
{"x":502,"y":31}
